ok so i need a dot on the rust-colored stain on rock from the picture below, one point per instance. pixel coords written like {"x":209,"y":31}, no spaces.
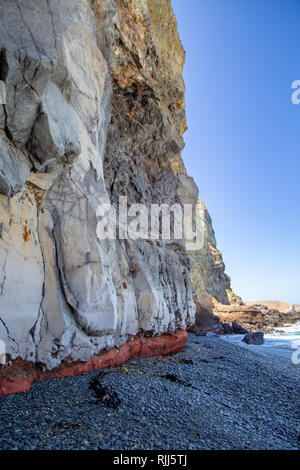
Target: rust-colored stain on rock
{"x":26,"y":232}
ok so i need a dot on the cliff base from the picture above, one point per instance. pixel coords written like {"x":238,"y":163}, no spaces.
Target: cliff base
{"x":19,"y":376}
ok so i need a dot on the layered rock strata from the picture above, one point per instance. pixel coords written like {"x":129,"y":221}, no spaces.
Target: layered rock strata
{"x":249,"y":318}
{"x":240,"y":318}
{"x":94,"y":110}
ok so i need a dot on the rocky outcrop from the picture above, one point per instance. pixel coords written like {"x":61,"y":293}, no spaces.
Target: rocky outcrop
{"x":95,"y":109}
{"x":206,"y":321}
{"x":218,"y":309}
{"x":211,"y":285}
{"x":210,"y":282}
{"x":241,"y":318}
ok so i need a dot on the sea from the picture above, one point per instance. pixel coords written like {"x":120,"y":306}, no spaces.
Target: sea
{"x":283,"y":342}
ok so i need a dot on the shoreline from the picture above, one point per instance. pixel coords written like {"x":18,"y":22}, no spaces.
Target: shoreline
{"x":226,"y":397}
{"x":277,"y":345}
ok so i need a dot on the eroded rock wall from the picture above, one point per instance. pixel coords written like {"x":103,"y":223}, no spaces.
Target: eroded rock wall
{"x":95,"y":109}
{"x":210,"y":282}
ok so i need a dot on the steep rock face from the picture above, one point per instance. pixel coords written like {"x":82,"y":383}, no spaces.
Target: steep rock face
{"x":210,"y":282}
{"x":95,"y":109}
{"x":142,"y":159}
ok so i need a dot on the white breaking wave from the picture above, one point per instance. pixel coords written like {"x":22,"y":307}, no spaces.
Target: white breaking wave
{"x":291,"y":333}
{"x":279,"y":344}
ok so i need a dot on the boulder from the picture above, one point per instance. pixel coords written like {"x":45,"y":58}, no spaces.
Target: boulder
{"x":256,"y":338}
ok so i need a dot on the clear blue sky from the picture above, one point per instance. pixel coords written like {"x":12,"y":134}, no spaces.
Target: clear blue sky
{"x":243,"y":141}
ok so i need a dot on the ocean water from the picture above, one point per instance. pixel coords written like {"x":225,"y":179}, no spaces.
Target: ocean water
{"x":285,"y":345}
{"x":291,"y":334}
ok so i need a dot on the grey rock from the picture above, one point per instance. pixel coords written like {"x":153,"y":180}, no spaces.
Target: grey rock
{"x":2,"y":117}
{"x":254,"y":338}
{"x":56,"y":131}
{"x":14,"y":167}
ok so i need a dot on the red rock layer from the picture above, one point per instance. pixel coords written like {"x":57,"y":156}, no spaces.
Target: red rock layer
{"x":19,"y":376}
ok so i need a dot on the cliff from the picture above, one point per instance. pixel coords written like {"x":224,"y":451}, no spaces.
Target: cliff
{"x":94,"y":110}
{"x":210,"y":282}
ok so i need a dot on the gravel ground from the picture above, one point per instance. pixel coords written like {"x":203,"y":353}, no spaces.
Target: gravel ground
{"x":226,"y":398}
